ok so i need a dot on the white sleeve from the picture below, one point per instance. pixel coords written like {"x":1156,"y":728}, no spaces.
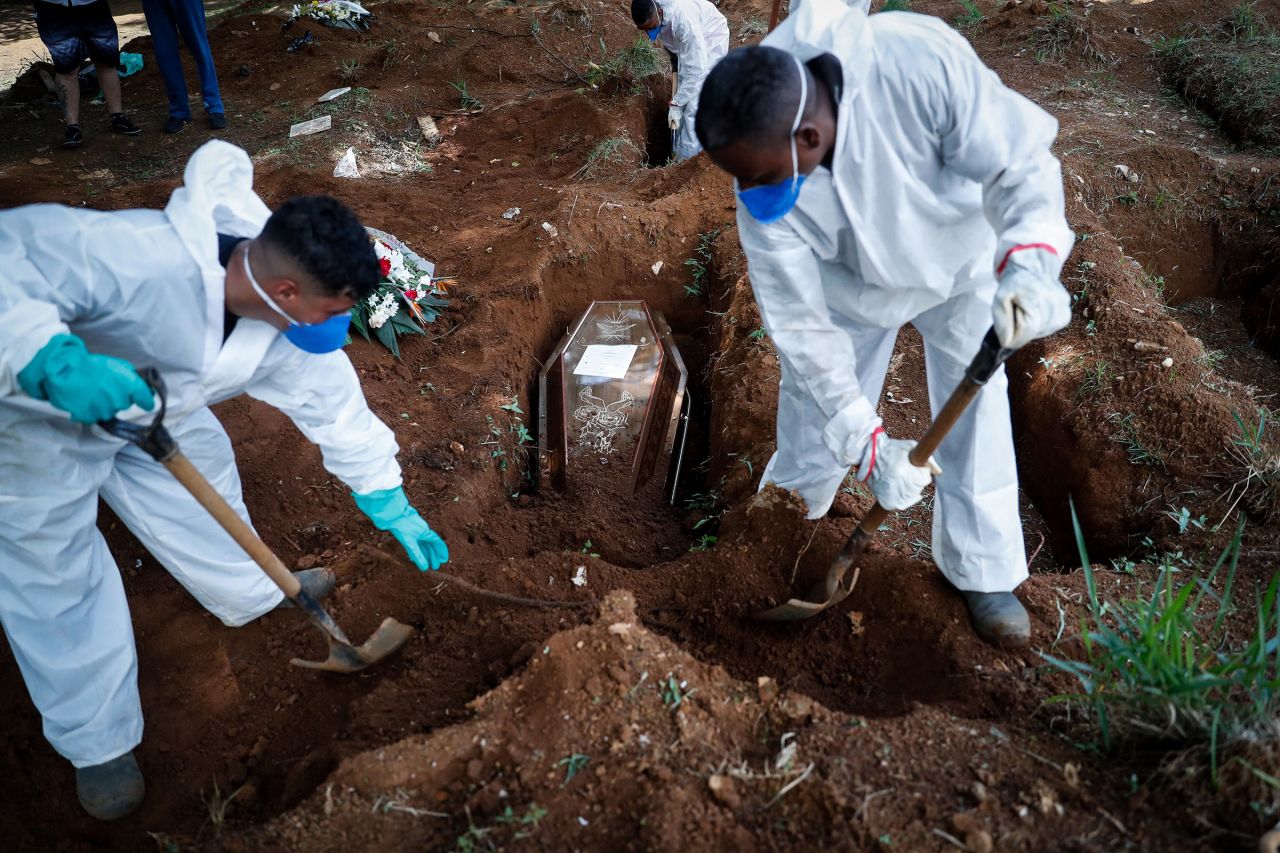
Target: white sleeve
{"x":993,"y":135}
{"x":322,"y":395}
{"x":787,"y":282}
{"x":695,"y":59}
{"x":32,"y":307}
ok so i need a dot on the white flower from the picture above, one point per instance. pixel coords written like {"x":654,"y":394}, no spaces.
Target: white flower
{"x":384,"y":309}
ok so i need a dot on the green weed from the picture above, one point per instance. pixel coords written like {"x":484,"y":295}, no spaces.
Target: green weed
{"x":1096,"y":379}
{"x":1164,"y":668}
{"x":1064,"y":31}
{"x":616,"y":150}
{"x":700,"y":264}
{"x":1126,"y":435}
{"x":628,"y":67}
{"x":970,"y":19}
{"x":469,"y":101}
{"x":896,"y":6}
{"x":573,"y":765}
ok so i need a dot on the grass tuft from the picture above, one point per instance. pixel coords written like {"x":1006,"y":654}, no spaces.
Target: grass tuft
{"x":1064,"y":32}
{"x":1232,"y":71}
{"x":1165,"y":671}
{"x":628,"y":67}
{"x":616,"y":150}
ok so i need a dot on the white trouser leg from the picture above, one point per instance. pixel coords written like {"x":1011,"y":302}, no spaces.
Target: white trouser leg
{"x":977,"y":532}
{"x":684,"y":141}
{"x":62,"y":602}
{"x":181,"y":534}
{"x":802,"y":461}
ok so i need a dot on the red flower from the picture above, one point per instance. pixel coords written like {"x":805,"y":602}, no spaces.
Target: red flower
{"x":411,"y":294}
{"x":385,"y":265}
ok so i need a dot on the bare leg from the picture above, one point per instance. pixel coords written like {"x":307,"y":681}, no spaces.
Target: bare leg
{"x":109,"y":79}
{"x":69,"y":93}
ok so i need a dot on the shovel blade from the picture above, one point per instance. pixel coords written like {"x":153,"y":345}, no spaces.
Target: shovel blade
{"x":346,"y":658}
{"x":796,"y":609}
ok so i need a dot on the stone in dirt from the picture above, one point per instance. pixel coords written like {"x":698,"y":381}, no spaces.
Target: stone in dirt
{"x":430,"y":132}
{"x":315,"y":125}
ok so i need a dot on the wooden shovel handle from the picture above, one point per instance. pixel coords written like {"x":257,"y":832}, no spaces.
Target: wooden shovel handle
{"x":242,"y":533}
{"x":773,"y":15}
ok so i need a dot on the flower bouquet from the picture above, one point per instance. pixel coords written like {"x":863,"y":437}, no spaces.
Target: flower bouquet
{"x":408,"y":283}
{"x":340,"y":14}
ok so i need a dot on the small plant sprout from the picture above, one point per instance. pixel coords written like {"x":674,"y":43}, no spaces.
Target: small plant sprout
{"x":532,"y":816}
{"x":469,"y":102}
{"x":573,"y":765}
{"x":1126,"y":435}
{"x":217,"y":805}
{"x":615,"y":150}
{"x":1182,"y":518}
{"x":759,"y":334}
{"x":675,"y":691}
{"x":1096,"y":379}
{"x":705,"y":543}
{"x":700,"y":264}
{"x":586,"y":549}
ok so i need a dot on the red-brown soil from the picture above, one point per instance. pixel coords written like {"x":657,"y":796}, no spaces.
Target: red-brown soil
{"x":912,"y":725}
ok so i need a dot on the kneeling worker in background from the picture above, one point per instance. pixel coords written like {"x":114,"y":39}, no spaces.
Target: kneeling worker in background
{"x":225,"y":298}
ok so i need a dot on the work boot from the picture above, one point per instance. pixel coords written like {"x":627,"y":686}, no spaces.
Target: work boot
{"x":112,"y":790}
{"x":72,"y":137}
{"x":217,"y":121}
{"x":999,"y":618}
{"x":174,"y":124}
{"x":317,"y":583}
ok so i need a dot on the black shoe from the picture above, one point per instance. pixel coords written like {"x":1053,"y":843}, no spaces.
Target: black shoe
{"x":112,"y":790}
{"x":73,"y":138}
{"x":217,"y":121}
{"x":121,"y":124}
{"x":174,"y":124}
{"x":317,"y":583}
{"x":999,"y":618}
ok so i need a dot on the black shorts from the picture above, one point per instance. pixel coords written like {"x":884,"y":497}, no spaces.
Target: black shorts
{"x":75,"y":33}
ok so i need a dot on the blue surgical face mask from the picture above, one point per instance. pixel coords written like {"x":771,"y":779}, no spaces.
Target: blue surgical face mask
{"x":770,"y":202}
{"x":655,"y":32}
{"x":315,"y":338}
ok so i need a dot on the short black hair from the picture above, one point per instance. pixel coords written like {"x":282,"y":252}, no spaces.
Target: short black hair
{"x":325,"y":238}
{"x":750,"y":94}
{"x":642,"y":11}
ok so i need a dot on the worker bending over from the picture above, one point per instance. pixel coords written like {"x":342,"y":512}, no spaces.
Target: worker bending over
{"x":696,"y":36}
{"x":885,"y":176}
{"x":224,"y":297}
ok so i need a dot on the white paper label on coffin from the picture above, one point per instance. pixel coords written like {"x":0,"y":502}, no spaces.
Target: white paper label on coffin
{"x":611,"y":361}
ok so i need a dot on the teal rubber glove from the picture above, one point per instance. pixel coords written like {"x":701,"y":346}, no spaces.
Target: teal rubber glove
{"x":88,"y":387}
{"x":389,"y":510}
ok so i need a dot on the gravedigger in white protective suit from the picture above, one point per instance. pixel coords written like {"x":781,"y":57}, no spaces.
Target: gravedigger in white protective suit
{"x":696,"y":37}
{"x":223,"y":297}
{"x":886,"y":176}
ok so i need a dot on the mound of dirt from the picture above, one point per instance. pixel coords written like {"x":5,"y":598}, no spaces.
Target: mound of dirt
{"x":612,"y":737}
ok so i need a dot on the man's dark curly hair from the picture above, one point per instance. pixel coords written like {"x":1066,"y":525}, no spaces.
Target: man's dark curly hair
{"x":325,"y":238}
{"x":746,"y":96}
{"x":642,"y":11}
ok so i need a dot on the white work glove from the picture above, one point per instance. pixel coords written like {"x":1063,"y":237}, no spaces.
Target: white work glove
{"x":1030,"y":301}
{"x":675,"y":115}
{"x":895,"y":482}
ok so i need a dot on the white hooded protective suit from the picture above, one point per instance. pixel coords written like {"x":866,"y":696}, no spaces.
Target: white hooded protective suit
{"x":698,"y":35}
{"x":939,"y":173}
{"x":146,"y":286}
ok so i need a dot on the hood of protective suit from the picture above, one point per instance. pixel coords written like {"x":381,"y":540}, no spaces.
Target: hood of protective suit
{"x":828,"y":26}
{"x":216,"y":197}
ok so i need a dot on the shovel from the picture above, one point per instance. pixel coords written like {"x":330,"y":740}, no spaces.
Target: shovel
{"x":155,"y":440}
{"x":833,"y":588}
